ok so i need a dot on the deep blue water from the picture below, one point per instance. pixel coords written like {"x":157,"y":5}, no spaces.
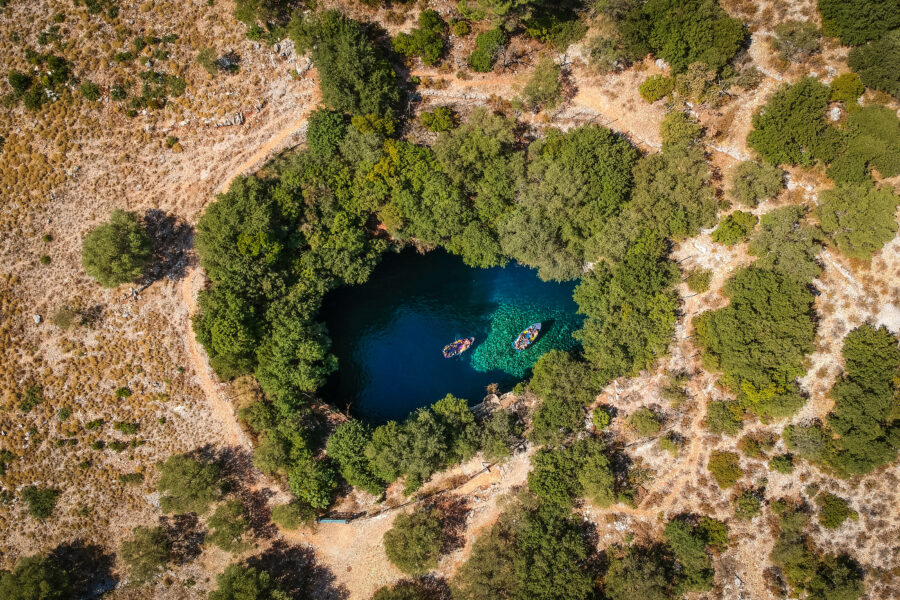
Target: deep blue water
{"x":388,"y":333}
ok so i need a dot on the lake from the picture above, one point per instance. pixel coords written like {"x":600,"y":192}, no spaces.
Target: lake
{"x":388,"y":333}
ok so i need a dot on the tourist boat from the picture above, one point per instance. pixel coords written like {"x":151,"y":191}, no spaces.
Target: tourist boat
{"x":527,"y":337}
{"x":458,"y":347}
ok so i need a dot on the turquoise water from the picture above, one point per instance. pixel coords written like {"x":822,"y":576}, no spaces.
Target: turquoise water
{"x":389,"y":332}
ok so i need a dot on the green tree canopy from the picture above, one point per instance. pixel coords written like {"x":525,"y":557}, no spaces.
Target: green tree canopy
{"x":35,"y":578}
{"x":239,"y":582}
{"x":188,"y":485}
{"x":347,"y":446}
{"x":735,"y":228}
{"x":787,"y":245}
{"x":760,"y":340}
{"x":227,"y":526}
{"x":116,"y":252}
{"x":565,"y":386}
{"x":561,"y":475}
{"x":146,"y":552}
{"x":752,"y":182}
{"x":795,"y":40}
{"x":859,"y":219}
{"x":544,"y":89}
{"x":41,"y":501}
{"x":426,"y":40}
{"x":876,"y":63}
{"x":791,"y":127}
{"x":859,"y":21}
{"x":413,"y":544}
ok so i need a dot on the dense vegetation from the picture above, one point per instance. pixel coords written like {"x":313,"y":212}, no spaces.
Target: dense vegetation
{"x":862,"y":431}
{"x":116,"y":252}
{"x":859,"y":21}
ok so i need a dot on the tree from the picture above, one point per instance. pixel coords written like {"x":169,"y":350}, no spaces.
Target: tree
{"x":188,"y":485}
{"x":630,"y":310}
{"x":791,"y":127}
{"x":760,"y":340}
{"x":656,"y":87}
{"x":682,"y":33}
{"x":564,"y":385}
{"x":795,"y":40}
{"x":679,"y":130}
{"x":116,"y":252}
{"x":561,"y":475}
{"x":724,"y":417}
{"x":725,"y":468}
{"x":543,"y":89}
{"x":426,"y":40}
{"x":645,"y":422}
{"x":860,"y":21}
{"x":859,"y":219}
{"x":292,"y":515}
{"x":414,"y":542}
{"x":847,"y":88}
{"x":753,"y":182}
{"x":638,"y":575}
{"x":403,"y":590}
{"x":324,"y":132}
{"x":239,"y":582}
{"x":834,"y":510}
{"x":41,"y":501}
{"x":228,"y":525}
{"x":747,"y":504}
{"x":347,"y":446}
{"x":35,"y":578}
{"x":312,"y":481}
{"x":354,"y":75}
{"x":499,"y":433}
{"x":689,"y":538}
{"x":875,"y":63}
{"x":441,"y":119}
{"x":734,"y":228}
{"x":253,"y":12}
{"x":145,"y":553}
{"x":873,"y":141}
{"x":787,"y":245}
{"x":487,"y":46}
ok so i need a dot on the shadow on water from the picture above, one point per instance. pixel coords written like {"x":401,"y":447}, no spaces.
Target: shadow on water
{"x":389,"y":332}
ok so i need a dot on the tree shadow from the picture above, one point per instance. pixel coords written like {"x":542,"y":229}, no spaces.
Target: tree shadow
{"x":453,"y":510}
{"x":427,"y":587}
{"x":170,"y":240}
{"x":296,"y":571}
{"x":89,"y":568}
{"x":186,"y":536}
{"x":259,"y":514}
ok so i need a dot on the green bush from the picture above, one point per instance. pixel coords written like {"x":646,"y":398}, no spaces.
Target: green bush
{"x":757,"y":444}
{"x":601,"y":417}
{"x":752,"y":182}
{"x":90,"y":91}
{"x":656,"y":87}
{"x":499,"y":433}
{"x":791,"y":127}
{"x":146,"y":553}
{"x":782,"y":463}
{"x":561,"y":475}
{"x":846,"y":88}
{"x":833,"y":511}
{"x":858,"y":219}
{"x":33,"y":396}
{"x":41,"y":501}
{"x":461,"y":28}
{"x":35,"y":578}
{"x":117,"y":251}
{"x":725,"y":468}
{"x":324,"y":132}
{"x":543,"y":89}
{"x":645,"y":422}
{"x":698,"y":280}
{"x":671,"y":444}
{"x":413,"y":543}
{"x":227,"y":527}
{"x":679,"y":130}
{"x":873,"y":141}
{"x":442,"y":118}
{"x":240,"y":582}
{"x":188,"y":485}
{"x":724,"y":417}
{"x":747,"y":504}
{"x":347,"y":446}
{"x":760,"y":341}
{"x":859,"y":21}
{"x":403,"y":590}
{"x":487,"y":46}
{"x":785,"y":244}
{"x":735,"y":228}
{"x":877,"y":62}
{"x":795,"y":40}
{"x":426,"y":40}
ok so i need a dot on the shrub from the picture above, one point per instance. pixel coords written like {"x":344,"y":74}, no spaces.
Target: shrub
{"x":757,"y":444}
{"x":859,"y":219}
{"x":833,"y":510}
{"x":206,"y":58}
{"x":859,"y":21}
{"x":645,"y":422}
{"x":35,"y":578}
{"x":724,"y":417}
{"x":414,"y":542}
{"x":487,"y":46}
{"x":227,"y":526}
{"x":786,"y":245}
{"x":442,"y":118}
{"x":499,"y":434}
{"x":127,"y":428}
{"x":146,"y":553}
{"x":876,"y":63}
{"x":698,"y":280}
{"x":239,"y":582}
{"x":791,"y":127}
{"x":461,"y":28}
{"x":116,"y":252}
{"x":41,"y":501}
{"x":188,"y":485}
{"x":679,"y":130}
{"x":725,"y":468}
{"x":873,"y":136}
{"x":543,"y":89}
{"x":564,"y":385}
{"x":426,"y":40}
{"x":601,"y":418}
{"x":347,"y":446}
{"x":752,"y":182}
{"x":605,"y":54}
{"x":747,"y":504}
{"x":292,"y":515}
{"x":324,"y":133}
{"x":782,"y":463}
{"x":123,"y":392}
{"x":581,"y":470}
{"x":671,"y":444}
{"x":33,"y":396}
{"x":795,"y":40}
{"x":846,"y":88}
{"x":656,"y":87}
{"x":90,"y":91}
{"x":734,"y":228}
